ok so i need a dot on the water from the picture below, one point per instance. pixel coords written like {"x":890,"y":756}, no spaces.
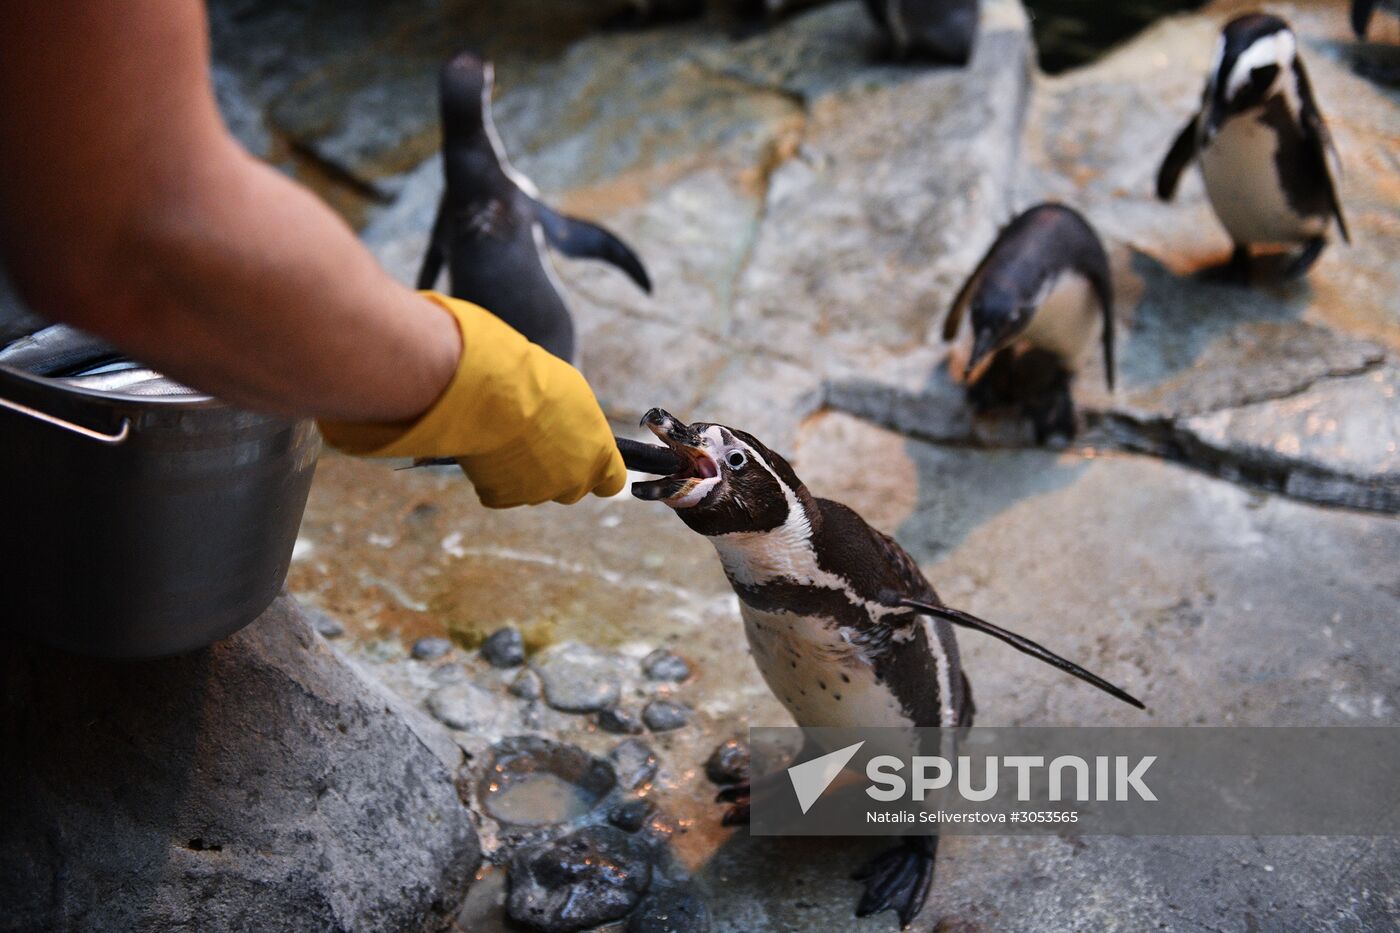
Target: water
{"x":540,"y":799}
{"x":1069,"y":33}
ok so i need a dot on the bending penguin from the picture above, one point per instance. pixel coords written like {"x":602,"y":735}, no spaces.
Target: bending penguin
{"x":1036,"y":299}
{"x":844,"y":627}
{"x":491,"y":227}
{"x":1262,"y":145}
{"x":940,"y":30}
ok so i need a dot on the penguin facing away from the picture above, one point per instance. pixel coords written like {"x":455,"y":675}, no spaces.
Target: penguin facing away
{"x":491,"y":228}
{"x":1262,"y":145}
{"x":843,"y":625}
{"x":1363,"y":10}
{"x":1036,"y":299}
{"x":939,"y":30}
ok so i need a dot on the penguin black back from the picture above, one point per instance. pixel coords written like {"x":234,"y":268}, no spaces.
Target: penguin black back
{"x":491,"y":229}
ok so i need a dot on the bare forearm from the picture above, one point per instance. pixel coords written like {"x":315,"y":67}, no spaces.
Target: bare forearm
{"x":245,"y":285}
{"x":127,"y":209}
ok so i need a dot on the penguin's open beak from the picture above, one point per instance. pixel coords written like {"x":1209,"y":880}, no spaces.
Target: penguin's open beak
{"x":696,"y":464}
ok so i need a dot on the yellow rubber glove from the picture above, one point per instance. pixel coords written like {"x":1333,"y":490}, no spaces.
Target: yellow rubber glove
{"x":523,"y":424}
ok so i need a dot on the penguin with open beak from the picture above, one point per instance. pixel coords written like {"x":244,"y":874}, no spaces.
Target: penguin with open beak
{"x":843,"y":625}
{"x":1038,"y":297}
{"x":1264,"y":150}
{"x":491,"y":228}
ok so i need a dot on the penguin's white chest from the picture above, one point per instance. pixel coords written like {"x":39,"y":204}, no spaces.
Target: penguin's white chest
{"x":819,"y":676}
{"x":1067,"y":320}
{"x":1241,"y":173}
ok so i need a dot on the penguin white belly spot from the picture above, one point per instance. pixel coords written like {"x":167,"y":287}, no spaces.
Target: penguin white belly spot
{"x":817,"y":674}
{"x":1067,"y":319}
{"x":1242,"y":180}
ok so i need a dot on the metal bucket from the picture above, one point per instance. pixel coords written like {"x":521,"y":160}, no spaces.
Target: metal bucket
{"x":140,"y":526}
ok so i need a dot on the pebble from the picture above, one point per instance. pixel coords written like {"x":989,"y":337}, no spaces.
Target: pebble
{"x":430,"y":649}
{"x":634,"y":762}
{"x":326,"y":625}
{"x":526,"y":685}
{"x":729,"y":762}
{"x":665,"y":715}
{"x":664,"y":664}
{"x":593,"y":876}
{"x":462,"y":706}
{"x":632,"y":815}
{"x":577,"y":678}
{"x":619,"y":721}
{"x":448,"y":674}
{"x":504,"y":648}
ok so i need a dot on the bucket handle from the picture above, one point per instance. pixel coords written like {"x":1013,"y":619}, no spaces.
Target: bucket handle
{"x":122,"y":433}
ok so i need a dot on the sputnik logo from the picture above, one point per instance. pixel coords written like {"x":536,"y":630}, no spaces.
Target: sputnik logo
{"x":811,"y":778}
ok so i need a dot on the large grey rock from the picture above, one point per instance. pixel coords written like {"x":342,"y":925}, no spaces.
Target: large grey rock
{"x":257,"y":784}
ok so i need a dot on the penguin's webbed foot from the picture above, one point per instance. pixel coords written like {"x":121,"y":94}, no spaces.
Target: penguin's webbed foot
{"x":899,"y":879}
{"x":738,"y":796}
{"x":1304,"y":260}
{"x":1053,"y":416}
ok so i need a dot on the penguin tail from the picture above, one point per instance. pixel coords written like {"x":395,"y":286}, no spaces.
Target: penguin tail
{"x":1024,"y":645}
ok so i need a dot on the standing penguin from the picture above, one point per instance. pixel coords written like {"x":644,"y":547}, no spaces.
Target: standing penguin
{"x":941,"y":30}
{"x":843,"y":625}
{"x":491,"y":227}
{"x":1363,"y":10}
{"x":1037,"y":298}
{"x":1262,"y":145}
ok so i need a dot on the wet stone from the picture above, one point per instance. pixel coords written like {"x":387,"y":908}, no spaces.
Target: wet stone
{"x":619,"y":721}
{"x":631,"y":816}
{"x":729,"y":762}
{"x":504,"y":648}
{"x":672,"y":908}
{"x":526,"y":685}
{"x":634,"y":762}
{"x":463,"y":706}
{"x":577,"y":678}
{"x":665,"y":715}
{"x":430,"y":649}
{"x":592,"y":876}
{"x":664,"y":664}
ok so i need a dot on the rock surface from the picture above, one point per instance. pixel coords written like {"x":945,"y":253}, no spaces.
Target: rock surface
{"x":258,"y":784}
{"x":665,"y":715}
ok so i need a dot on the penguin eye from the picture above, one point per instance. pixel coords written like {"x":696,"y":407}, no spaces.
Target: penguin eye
{"x":735,"y":459}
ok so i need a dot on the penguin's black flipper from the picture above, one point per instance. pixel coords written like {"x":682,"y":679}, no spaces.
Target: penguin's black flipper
{"x":434,"y":256}
{"x":1361,"y":11}
{"x":579,"y":239}
{"x":1319,"y":142}
{"x":1024,"y":645}
{"x":1178,"y":157}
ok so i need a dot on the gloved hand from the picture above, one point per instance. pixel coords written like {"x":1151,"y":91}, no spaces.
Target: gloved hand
{"x":523,"y":424}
